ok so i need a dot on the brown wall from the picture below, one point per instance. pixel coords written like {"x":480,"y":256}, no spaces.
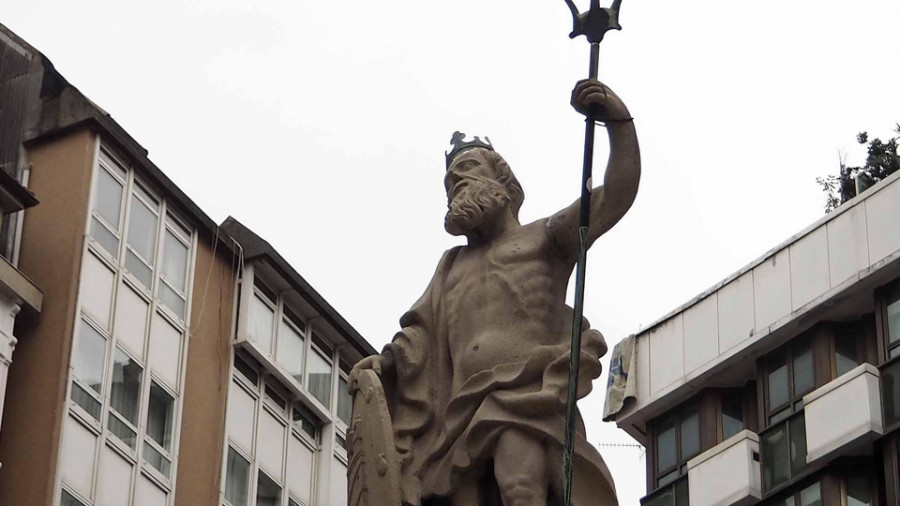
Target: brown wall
{"x":206,"y":381}
{"x":52,"y":240}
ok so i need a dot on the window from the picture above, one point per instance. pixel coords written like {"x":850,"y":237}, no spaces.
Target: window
{"x":344,"y":401}
{"x":732,"y":415}
{"x":262,"y":321}
{"x":69,"y":499}
{"x":846,"y":355}
{"x":677,"y":439}
{"x":783,"y":451}
{"x":892,"y":321}
{"x":789,"y":376}
{"x":127,"y":358}
{"x":858,"y":491}
{"x":290,"y":345}
{"x":320,"y":371}
{"x":809,"y":496}
{"x":675,"y":494}
{"x":271,"y":440}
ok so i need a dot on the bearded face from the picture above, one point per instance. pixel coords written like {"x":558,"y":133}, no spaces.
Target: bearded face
{"x":472,"y":201}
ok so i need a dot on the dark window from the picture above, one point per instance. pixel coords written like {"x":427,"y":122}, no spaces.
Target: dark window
{"x":306,"y":421}
{"x":732,"y":416}
{"x":677,"y":440}
{"x":858,"y":491}
{"x":845,"y":353}
{"x":672,"y":495}
{"x":246,"y":369}
{"x":807,"y":496}
{"x":892,"y":321}
{"x":783,"y":451}
{"x":890,"y":384}
{"x":791,"y":374}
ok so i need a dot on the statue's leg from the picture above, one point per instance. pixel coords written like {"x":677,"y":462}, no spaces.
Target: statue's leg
{"x":520,"y":467}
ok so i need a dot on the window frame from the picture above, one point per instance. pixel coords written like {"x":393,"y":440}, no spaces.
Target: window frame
{"x":675,"y":421}
{"x":884,"y":297}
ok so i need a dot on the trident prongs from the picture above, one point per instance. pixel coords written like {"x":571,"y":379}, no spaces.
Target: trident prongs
{"x":594,"y":23}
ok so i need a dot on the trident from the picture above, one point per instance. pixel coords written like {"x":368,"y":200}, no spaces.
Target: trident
{"x":593,"y":24}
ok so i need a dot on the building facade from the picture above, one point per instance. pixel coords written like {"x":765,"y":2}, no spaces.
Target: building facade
{"x":779,"y":385}
{"x":160,"y":358}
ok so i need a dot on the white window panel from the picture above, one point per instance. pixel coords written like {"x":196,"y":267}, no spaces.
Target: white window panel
{"x":270,"y":444}
{"x":241,"y":413}
{"x":78,"y":465}
{"x":165,"y":345}
{"x":344,"y":401}
{"x":131,"y":320}
{"x":115,"y":479}
{"x":107,"y":239}
{"x":142,"y":227}
{"x":319,"y":381}
{"x":301,"y":462}
{"x":90,"y":356}
{"x":262,"y":323}
{"x":148,"y":493}
{"x":96,"y":290}
{"x":290,"y":350}
{"x":338,"y":482}
{"x":237,"y":479}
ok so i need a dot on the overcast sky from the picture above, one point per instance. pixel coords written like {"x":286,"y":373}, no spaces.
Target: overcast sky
{"x":322,"y":125}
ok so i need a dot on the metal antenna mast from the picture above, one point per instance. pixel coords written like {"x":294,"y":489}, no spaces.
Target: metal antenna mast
{"x":593,"y":24}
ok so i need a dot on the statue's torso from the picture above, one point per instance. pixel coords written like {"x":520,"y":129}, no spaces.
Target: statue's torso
{"x":503,"y":299}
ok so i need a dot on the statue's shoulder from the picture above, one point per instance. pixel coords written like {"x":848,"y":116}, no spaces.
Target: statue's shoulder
{"x":373,"y":475}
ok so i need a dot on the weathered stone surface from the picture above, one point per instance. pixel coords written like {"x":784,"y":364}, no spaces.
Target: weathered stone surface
{"x":475,"y":380}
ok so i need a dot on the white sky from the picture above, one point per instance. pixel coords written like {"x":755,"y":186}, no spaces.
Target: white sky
{"x":322,"y":125}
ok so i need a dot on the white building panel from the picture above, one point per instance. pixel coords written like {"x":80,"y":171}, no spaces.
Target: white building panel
{"x":701,"y":333}
{"x":882,"y":210}
{"x":270,"y":444}
{"x":727,"y":474}
{"x":666,"y":354}
{"x":301,"y":464}
{"x":78,"y":455}
{"x":96,"y":290}
{"x":165,"y":348}
{"x":809,"y":268}
{"x":338,"y":482}
{"x":115,"y":479}
{"x":131,"y":320}
{"x":848,"y":248}
{"x":642,"y":350}
{"x":148,"y":493}
{"x":735,"y":306}
{"x":772,"y":289}
{"x":241,"y":413}
{"x":842,"y":412}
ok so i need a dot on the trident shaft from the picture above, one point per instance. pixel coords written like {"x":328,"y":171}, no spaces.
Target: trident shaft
{"x":593,"y":24}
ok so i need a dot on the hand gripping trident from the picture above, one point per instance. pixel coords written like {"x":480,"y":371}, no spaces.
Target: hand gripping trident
{"x":593,"y":24}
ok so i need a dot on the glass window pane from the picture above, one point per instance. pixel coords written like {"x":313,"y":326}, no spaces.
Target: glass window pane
{"x":666,"y":453}
{"x":732,"y":415}
{"x":268,"y":493}
{"x":811,"y":496}
{"x":290,"y":350}
{"x":890,"y":383}
{"x":798,"y":443}
{"x":69,"y":500}
{"x":126,"y":386}
{"x":893,"y":311}
{"x":663,"y":498}
{"x":858,"y":491}
{"x":775,"y":457}
{"x":681,"y":493}
{"x":237,"y":479}
{"x":262,"y":323}
{"x":778,"y":386}
{"x":668,"y":478}
{"x":122,"y":431}
{"x":804,"y":373}
{"x":102,"y":235}
{"x":142,"y":230}
{"x":159,"y":416}
{"x":139,"y":269}
{"x":156,"y":459}
{"x":307,"y":422}
{"x":90,"y":357}
{"x":344,"y":402}
{"x":174,"y":266}
{"x":246,"y":369}
{"x":172,"y":299}
{"x":690,"y":436}
{"x":845,"y":353}
{"x":108,"y":198}
{"x":90,"y":404}
{"x":320,"y":378}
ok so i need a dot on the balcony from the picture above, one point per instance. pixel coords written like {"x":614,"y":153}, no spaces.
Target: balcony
{"x":843,"y":414}
{"x":726,"y":474}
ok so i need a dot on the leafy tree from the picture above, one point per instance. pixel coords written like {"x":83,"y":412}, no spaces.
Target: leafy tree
{"x":882,"y":161}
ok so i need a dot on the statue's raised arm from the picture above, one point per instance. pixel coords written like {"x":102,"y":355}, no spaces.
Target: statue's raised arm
{"x":623,"y":172}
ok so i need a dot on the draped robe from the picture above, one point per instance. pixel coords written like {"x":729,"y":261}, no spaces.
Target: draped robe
{"x":442,"y":435}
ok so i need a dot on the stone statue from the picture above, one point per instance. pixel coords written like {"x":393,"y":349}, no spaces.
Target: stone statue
{"x":474,"y":384}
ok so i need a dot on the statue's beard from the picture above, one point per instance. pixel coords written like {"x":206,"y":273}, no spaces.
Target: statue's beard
{"x":477,"y":201}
